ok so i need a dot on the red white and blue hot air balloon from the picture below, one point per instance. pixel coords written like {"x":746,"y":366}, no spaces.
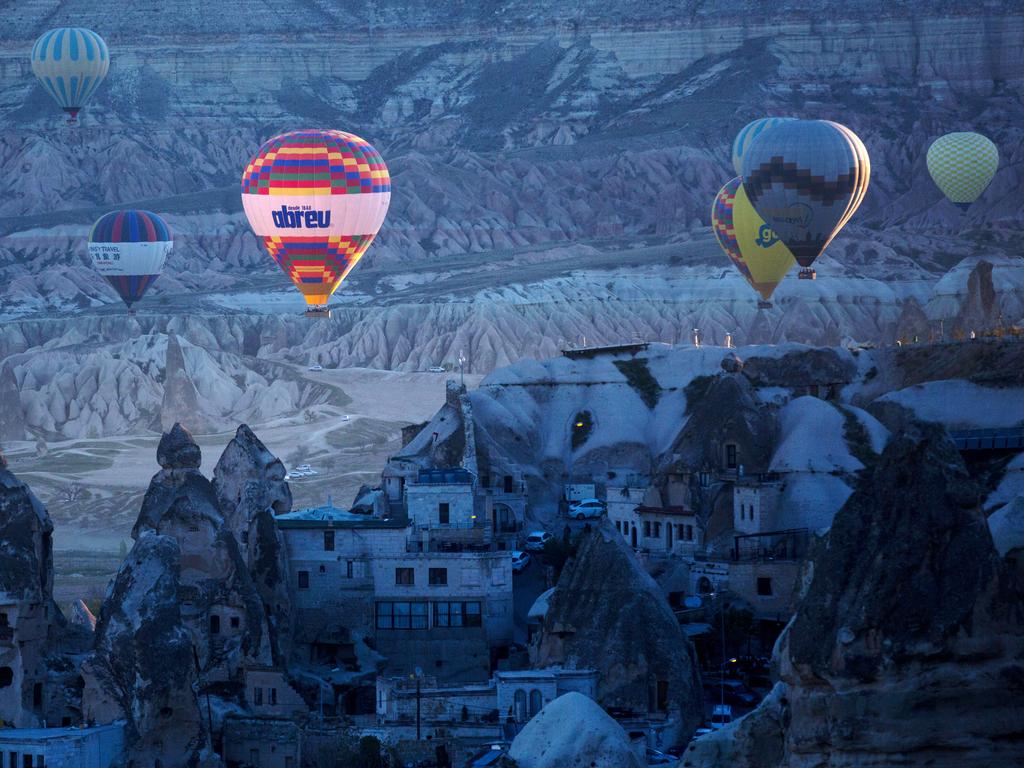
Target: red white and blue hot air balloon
{"x":129,"y":249}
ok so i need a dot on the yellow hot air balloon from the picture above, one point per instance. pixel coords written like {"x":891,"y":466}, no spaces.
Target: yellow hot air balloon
{"x":962,"y":166}
{"x":750,"y":244}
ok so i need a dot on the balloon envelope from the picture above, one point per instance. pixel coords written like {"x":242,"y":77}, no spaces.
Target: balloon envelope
{"x":962,"y":165}
{"x":70,"y":62}
{"x":806,"y":178}
{"x":317,"y":198}
{"x":749,"y":243}
{"x":129,"y":249}
{"x":746,"y":137}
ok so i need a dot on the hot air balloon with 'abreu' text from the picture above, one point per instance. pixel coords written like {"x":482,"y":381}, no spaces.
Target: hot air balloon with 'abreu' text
{"x":806,"y":178}
{"x":749,"y":243}
{"x":317,"y":198}
{"x":129,"y":249}
{"x":70,"y":62}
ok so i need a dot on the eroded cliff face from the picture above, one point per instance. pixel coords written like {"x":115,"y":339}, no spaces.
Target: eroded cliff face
{"x":906,"y":645}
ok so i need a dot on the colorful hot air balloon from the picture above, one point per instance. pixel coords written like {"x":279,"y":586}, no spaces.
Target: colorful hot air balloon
{"x":70,"y":62}
{"x":317,"y":198}
{"x":962,"y":166}
{"x":746,"y":137}
{"x":806,"y":178}
{"x":748,"y":242}
{"x":129,"y":249}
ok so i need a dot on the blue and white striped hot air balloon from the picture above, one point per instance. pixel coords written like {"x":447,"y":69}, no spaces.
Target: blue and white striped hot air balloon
{"x":70,"y":62}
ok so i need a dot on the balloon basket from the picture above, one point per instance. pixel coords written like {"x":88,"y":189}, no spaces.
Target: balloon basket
{"x":762,"y":304}
{"x":318,"y":312}
{"x":808,"y":274}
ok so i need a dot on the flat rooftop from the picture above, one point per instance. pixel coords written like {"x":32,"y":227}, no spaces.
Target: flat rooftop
{"x":329,"y":516}
{"x":10,"y":735}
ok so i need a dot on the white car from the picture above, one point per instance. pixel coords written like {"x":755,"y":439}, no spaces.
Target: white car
{"x":520,"y":560}
{"x":535,"y":541}
{"x":303,"y":468}
{"x":436,"y":369}
{"x":585,"y":508}
{"x":316,"y":367}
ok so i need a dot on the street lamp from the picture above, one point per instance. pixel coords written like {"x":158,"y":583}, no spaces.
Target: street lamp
{"x":418,"y":674}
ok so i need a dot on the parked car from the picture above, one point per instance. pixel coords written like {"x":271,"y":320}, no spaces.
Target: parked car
{"x":585,"y":508}
{"x":436,"y":369}
{"x":654,"y":757}
{"x":721,"y":716}
{"x":520,"y":560}
{"x":535,"y":541}
{"x":316,"y":367}
{"x":303,"y":468}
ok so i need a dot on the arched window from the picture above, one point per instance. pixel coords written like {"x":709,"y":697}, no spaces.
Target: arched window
{"x":536,"y":702}
{"x":520,"y":706}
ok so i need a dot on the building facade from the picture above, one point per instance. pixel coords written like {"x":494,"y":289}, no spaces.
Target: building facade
{"x":98,"y":747}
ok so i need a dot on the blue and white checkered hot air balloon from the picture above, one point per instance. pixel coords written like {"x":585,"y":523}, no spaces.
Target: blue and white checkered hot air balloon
{"x":70,"y":62}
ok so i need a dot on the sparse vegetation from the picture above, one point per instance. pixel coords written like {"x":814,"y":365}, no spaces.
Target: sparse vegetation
{"x":641,"y":379}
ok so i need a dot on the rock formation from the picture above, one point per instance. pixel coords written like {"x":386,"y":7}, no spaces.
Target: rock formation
{"x":607,"y":613}
{"x":142,"y":669}
{"x":181,"y":400}
{"x":12,"y":417}
{"x":250,"y":487}
{"x":573,"y":730}
{"x":725,"y":412}
{"x":186,"y":589}
{"x":27,"y":610}
{"x":906,"y":645}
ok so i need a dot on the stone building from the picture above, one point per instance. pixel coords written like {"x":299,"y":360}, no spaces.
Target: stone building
{"x":100,"y":746}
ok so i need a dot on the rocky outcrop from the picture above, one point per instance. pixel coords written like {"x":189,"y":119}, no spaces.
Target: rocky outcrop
{"x":572,"y":730}
{"x":725,"y":411}
{"x":12,"y":417}
{"x":906,"y":644}
{"x":608,"y":613}
{"x":250,"y":488}
{"x":807,"y":367}
{"x":142,"y":669}
{"x":181,"y":400}
{"x":27,"y":610}
{"x":192,"y":590}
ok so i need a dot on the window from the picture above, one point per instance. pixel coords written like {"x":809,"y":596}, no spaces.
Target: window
{"x":6,"y":676}
{"x":349,"y":569}
{"x":323,"y":569}
{"x":214,"y":624}
{"x":536,"y":702}
{"x":235,"y":622}
{"x":520,"y":705}
{"x":764,"y":586}
{"x":273,"y":696}
{"x":730,"y":456}
{"x":401,"y":615}
{"x":37,"y":695}
{"x":3,"y":619}
{"x":618,"y":526}
{"x":681,"y":532}
{"x":647,"y":529}
{"x":457,"y":614}
{"x":689,"y":533}
{"x":328,"y":541}
{"x":438,"y":577}
{"x":657,"y":530}
{"x":443,"y":513}
{"x":193,"y":529}
{"x":405,"y":577}
{"x":257,"y":696}
{"x":303,"y":579}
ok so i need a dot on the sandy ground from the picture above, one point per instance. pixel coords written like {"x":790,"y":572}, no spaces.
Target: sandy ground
{"x":94,"y":488}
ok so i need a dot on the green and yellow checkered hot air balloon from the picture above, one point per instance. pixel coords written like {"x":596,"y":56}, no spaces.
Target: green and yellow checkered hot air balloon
{"x":962,"y":165}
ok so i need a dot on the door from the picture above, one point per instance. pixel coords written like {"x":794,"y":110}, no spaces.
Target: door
{"x":632,"y":536}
